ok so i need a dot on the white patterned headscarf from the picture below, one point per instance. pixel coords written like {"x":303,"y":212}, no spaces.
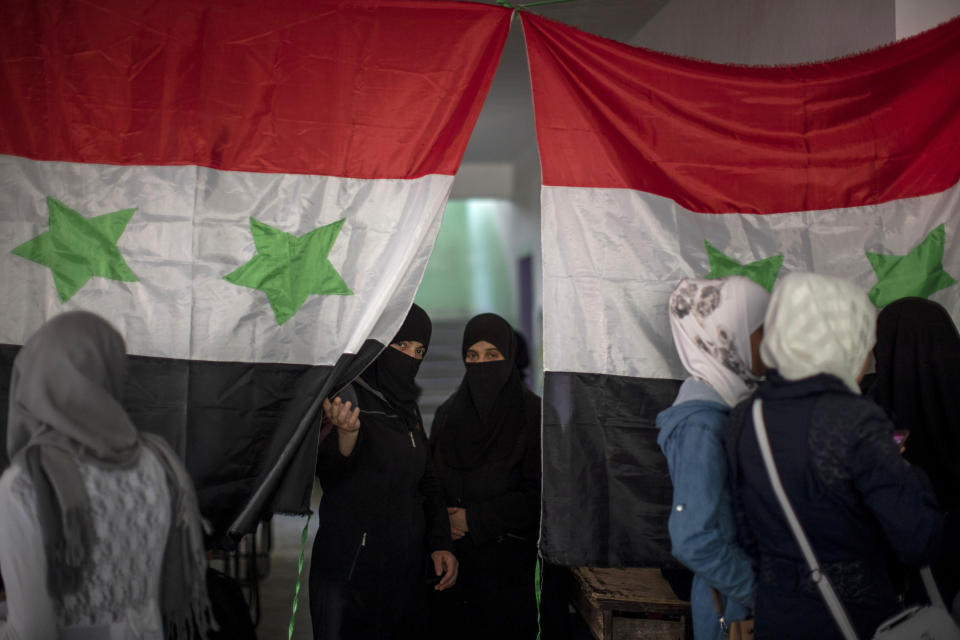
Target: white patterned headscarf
{"x":818,"y":324}
{"x":711,"y":322}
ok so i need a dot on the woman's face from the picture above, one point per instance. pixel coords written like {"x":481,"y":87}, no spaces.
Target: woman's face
{"x":411,"y":348}
{"x":483,"y":351}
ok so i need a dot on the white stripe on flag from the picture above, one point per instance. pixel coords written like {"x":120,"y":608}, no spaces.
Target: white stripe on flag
{"x":612,"y":256}
{"x":191,"y":228}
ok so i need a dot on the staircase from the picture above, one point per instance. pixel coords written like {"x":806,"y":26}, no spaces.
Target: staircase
{"x":442,"y":369}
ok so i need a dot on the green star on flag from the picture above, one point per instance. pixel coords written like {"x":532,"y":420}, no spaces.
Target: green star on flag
{"x":763,"y":272}
{"x":76,"y":248}
{"x":289,"y":268}
{"x":919,"y":273}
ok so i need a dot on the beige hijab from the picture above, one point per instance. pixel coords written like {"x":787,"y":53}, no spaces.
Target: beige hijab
{"x":818,"y":324}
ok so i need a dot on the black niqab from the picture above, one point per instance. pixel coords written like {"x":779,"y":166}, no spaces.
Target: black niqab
{"x":918,"y":377}
{"x":486,"y":412}
{"x":394,"y":373}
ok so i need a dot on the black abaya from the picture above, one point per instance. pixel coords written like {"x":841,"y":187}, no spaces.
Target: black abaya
{"x":486,"y":445}
{"x":382,"y":509}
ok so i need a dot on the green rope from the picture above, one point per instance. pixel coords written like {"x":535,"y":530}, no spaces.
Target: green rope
{"x":538,"y":586}
{"x":296,"y":591}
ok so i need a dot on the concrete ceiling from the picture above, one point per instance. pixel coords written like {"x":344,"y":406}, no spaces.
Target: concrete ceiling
{"x":505,"y":129}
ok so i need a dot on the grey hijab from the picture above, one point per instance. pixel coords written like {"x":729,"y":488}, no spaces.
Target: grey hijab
{"x":65,"y":392}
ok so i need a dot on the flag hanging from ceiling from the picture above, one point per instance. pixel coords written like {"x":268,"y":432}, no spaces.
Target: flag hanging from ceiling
{"x":657,"y":168}
{"x":249,"y":191}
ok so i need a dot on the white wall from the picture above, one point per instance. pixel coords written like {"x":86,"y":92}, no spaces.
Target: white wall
{"x":483,"y":180}
{"x":526,"y":241}
{"x":914,"y":16}
{"x":768,"y":32}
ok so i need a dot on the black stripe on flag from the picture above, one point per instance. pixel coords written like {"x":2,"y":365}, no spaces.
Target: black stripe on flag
{"x":232,"y":423}
{"x":220,"y":416}
{"x":606,"y":487}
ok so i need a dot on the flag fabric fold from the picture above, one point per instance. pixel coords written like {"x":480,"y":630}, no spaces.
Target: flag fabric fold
{"x":249,"y":192}
{"x":656,"y":168}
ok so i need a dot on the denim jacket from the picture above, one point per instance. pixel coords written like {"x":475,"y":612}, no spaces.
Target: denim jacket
{"x":702,"y":530}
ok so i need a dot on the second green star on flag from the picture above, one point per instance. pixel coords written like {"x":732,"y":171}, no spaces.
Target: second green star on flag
{"x":288,"y":268}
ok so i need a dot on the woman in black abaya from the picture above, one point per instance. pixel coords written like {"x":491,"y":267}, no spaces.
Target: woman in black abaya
{"x":918,"y":381}
{"x":486,"y":446}
{"x":382,"y":507}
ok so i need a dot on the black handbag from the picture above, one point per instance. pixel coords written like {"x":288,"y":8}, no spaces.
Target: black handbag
{"x":230,"y":608}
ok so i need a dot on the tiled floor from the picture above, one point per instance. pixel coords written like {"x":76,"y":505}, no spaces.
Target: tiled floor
{"x":277,"y":590}
{"x":277,"y":593}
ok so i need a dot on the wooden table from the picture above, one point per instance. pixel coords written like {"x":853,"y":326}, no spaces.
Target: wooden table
{"x":620,"y":604}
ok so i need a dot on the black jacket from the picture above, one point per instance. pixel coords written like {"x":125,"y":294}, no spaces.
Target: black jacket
{"x":859,"y":502}
{"x":502,"y":497}
{"x":382,"y":505}
{"x":494,"y":594}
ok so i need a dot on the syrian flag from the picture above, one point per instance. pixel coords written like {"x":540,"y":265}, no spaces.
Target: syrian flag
{"x":657,"y":168}
{"x":249,"y":191}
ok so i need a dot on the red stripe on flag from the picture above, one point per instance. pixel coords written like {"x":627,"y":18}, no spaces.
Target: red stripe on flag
{"x":870,"y":128}
{"x":362,"y":89}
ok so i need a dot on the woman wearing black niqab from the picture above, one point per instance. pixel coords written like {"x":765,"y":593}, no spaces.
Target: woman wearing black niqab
{"x":382,"y":506}
{"x":918,"y":381}
{"x":486,"y":445}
